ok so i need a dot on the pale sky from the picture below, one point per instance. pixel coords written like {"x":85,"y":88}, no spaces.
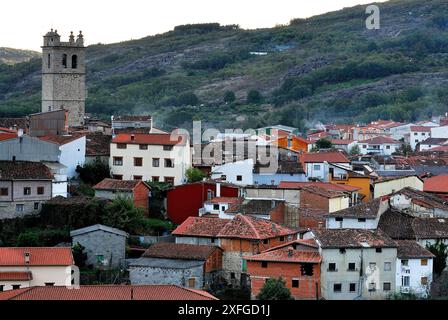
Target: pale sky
{"x":24,"y":22}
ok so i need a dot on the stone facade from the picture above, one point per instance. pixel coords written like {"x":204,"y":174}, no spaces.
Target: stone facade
{"x":64,"y":76}
{"x":102,"y":245}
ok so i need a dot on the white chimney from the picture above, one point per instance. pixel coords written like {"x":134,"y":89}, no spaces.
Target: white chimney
{"x":27,"y":258}
{"x":218,"y":189}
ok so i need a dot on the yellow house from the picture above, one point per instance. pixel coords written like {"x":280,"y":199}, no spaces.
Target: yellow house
{"x":350,"y":178}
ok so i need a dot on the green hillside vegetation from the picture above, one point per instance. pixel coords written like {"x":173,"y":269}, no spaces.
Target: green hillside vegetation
{"x":325,"y":68}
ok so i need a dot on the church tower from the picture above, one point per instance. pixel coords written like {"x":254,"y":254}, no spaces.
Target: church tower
{"x":64,"y":76}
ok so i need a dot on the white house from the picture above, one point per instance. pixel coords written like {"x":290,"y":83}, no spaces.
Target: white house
{"x":150,"y":157}
{"x":379,"y":145}
{"x":317,"y":164}
{"x":60,"y":180}
{"x":414,"y":268}
{"x":30,"y":267}
{"x":72,"y":151}
{"x":419,"y":134}
{"x":218,"y":206}
{"x":431,"y":143}
{"x":362,"y":216}
{"x":439,"y":132}
{"x":239,"y":172}
{"x":400,"y":131}
{"x":387,"y":186}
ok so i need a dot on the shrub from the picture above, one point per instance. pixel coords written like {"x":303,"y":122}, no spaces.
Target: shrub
{"x":254,"y":97}
{"x":274,"y":289}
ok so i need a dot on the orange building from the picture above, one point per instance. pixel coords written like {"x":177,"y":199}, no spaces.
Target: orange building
{"x":353,"y":179}
{"x":297,"y":262}
{"x":294,"y":143}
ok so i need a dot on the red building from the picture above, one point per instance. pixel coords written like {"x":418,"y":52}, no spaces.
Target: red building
{"x":296,"y":262}
{"x":185,"y":200}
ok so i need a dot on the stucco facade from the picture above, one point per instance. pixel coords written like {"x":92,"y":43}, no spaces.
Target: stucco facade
{"x":382,"y":188}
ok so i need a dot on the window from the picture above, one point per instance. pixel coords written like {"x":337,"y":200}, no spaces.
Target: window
{"x":405,"y":262}
{"x":352,"y":287}
{"x":4,"y":191}
{"x":266,"y":241}
{"x":1,"y":288}
{"x":64,"y":60}
{"x":424,"y":262}
{"x":138,"y":162}
{"x":332,"y":267}
{"x":191,"y":282}
{"x":169,"y":180}
{"x":306,"y":269}
{"x":223,"y":177}
{"x":118,"y":161}
{"x":20,"y":207}
{"x":352,"y":266}
{"x":386,"y":286}
{"x":15,"y":286}
{"x":316,"y":167}
{"x":26,"y":191}
{"x":282,"y":239}
{"x":342,"y":250}
{"x":138,"y":177}
{"x":74,"y":61}
{"x":155,"y":179}
{"x":405,"y":281}
{"x":232,"y":275}
{"x":337,"y":287}
{"x":423,"y":134}
{"x":156,"y":162}
{"x":424,"y":281}
{"x":169,"y":163}
{"x":364,"y":146}
{"x":239,"y":178}
{"x":167,"y":148}
{"x":372,"y":286}
{"x":372,"y":265}
{"x":339,"y":219}
{"x":216,"y":207}
{"x":387,"y":266}
{"x":118,"y":176}
{"x":40,"y":190}
{"x":143,"y":147}
{"x":49,"y":284}
{"x":36,"y":205}
{"x":264,"y":264}
{"x":49,"y":61}
{"x":387,"y":147}
{"x":121,"y":145}
{"x":378,"y":250}
{"x":415,"y":133}
{"x":295,"y":283}
{"x":361,"y":219}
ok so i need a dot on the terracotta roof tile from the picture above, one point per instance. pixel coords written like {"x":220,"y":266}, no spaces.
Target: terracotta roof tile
{"x":380,"y":140}
{"x":150,"y":138}
{"x":288,"y":254}
{"x":437,"y":184}
{"x":61,"y":140}
{"x":331,"y":156}
{"x":353,"y":238}
{"x":132,"y":118}
{"x":98,"y":145}
{"x":364,"y":210}
{"x":323,"y":185}
{"x":420,"y":129}
{"x":410,"y":249}
{"x":247,"y":227}
{"x":24,"y":170}
{"x":107,"y":292}
{"x":15,"y":276}
{"x":180,"y":251}
{"x":113,"y":184}
{"x":200,"y":227}
{"x":39,"y":256}
{"x":7,"y":136}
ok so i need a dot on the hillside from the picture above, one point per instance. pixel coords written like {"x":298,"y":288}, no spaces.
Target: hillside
{"x":325,"y":68}
{"x":13,"y":56}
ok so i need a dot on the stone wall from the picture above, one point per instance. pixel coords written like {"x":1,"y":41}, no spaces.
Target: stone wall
{"x":111,"y":246}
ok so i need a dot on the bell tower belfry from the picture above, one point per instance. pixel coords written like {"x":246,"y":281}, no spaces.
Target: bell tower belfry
{"x":64,"y":76}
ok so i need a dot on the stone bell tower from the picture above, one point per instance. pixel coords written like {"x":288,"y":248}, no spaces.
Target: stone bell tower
{"x":64,"y":76}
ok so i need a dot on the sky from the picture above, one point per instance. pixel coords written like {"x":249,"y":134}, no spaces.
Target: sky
{"x":24,"y":22}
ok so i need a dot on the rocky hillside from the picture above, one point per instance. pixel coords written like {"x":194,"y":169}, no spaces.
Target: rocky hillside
{"x":325,"y":68}
{"x":13,"y":56}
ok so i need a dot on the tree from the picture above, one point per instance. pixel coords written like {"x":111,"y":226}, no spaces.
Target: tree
{"x":194,"y":175}
{"x":254,"y":97}
{"x":92,"y":173}
{"x":404,"y":149}
{"x":355,"y":150}
{"x":28,"y":238}
{"x":274,"y":289}
{"x":122,"y":214}
{"x":187,"y":99}
{"x":323,"y":144}
{"x":229,"y":96}
{"x":440,"y":250}
{"x":79,"y":255}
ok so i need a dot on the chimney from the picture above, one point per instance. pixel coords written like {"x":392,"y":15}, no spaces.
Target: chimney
{"x":27,"y":258}
{"x":218,"y":189}
{"x":320,"y":225}
{"x":20,"y":132}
